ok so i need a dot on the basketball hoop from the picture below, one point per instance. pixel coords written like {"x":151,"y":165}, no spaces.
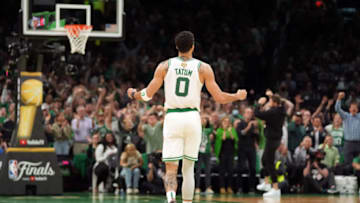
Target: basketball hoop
{"x":78,"y":35}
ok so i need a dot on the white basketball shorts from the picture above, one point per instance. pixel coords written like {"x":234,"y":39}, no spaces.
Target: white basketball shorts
{"x":182,"y":136}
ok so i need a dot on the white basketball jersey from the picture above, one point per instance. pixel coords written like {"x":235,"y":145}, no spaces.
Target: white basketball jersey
{"x":182,"y":84}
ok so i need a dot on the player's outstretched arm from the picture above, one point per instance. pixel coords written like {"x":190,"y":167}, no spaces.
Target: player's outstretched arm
{"x":207,"y":75}
{"x":147,"y":93}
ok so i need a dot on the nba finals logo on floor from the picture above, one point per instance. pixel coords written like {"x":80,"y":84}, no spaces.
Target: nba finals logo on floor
{"x":30,"y":171}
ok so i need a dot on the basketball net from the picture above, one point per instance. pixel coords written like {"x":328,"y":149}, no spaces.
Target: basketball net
{"x":78,"y":35}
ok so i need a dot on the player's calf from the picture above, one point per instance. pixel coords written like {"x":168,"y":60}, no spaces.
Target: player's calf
{"x":170,"y":181}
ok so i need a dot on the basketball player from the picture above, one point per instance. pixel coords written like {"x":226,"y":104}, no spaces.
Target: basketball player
{"x":184,"y":77}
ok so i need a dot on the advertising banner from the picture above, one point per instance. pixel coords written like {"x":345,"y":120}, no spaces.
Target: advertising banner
{"x":30,"y":171}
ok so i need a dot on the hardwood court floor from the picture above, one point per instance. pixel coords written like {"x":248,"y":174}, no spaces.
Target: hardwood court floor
{"x":89,"y":198}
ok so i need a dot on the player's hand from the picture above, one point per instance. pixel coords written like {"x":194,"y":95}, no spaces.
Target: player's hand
{"x":130,"y":92}
{"x":341,"y":95}
{"x":241,"y":94}
{"x":262,"y":100}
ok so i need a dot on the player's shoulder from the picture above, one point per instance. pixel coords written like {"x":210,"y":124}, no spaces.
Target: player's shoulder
{"x":164,"y":62}
{"x":204,"y":66}
{"x":203,"y":63}
{"x":163,"y":65}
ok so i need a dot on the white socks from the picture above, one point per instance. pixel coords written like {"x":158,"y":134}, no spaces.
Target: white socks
{"x":171,"y":195}
{"x":188,"y":184}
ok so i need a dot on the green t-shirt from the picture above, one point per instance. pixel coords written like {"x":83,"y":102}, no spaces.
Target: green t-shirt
{"x":6,"y":105}
{"x":102,"y":130}
{"x":337,"y":134}
{"x":2,"y":119}
{"x":296,"y":134}
{"x":153,"y":137}
{"x":332,"y":156}
{"x":205,"y":145}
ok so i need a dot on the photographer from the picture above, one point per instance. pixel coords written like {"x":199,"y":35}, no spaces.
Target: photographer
{"x":317,"y":178}
{"x":283,"y":163}
{"x":155,"y":175}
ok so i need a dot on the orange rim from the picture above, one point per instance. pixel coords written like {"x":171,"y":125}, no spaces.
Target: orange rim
{"x":75,"y":29}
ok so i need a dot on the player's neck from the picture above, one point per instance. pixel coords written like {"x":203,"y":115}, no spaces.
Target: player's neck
{"x":185,"y":56}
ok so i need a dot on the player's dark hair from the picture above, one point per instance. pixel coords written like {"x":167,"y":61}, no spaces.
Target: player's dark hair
{"x":184,"y":40}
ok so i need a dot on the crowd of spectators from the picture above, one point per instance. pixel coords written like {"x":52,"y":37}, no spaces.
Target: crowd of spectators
{"x":306,"y":54}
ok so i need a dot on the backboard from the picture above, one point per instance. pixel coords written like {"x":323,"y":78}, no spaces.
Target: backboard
{"x":47,"y":18}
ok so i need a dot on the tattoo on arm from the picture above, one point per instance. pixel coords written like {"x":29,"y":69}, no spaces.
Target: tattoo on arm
{"x":170,"y":182}
{"x":166,"y":63}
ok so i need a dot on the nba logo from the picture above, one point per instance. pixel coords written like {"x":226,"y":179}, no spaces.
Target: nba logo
{"x":13,"y":169}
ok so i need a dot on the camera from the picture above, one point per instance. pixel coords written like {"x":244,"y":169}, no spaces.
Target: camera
{"x":16,"y":47}
{"x":316,"y":155}
{"x":155,"y":158}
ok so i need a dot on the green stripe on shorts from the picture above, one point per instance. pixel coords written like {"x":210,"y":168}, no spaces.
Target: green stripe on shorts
{"x":173,"y":158}
{"x":181,"y":110}
{"x":190,"y":158}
